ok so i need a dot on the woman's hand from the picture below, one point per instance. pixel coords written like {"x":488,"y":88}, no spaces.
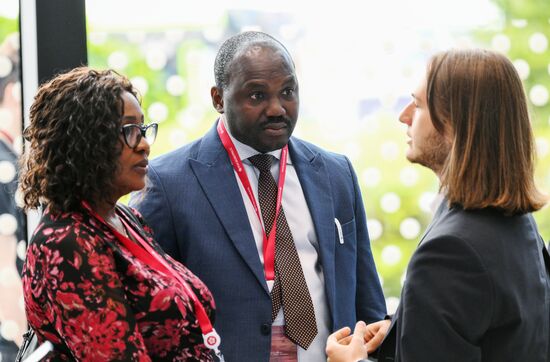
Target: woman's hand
{"x":343,"y":347}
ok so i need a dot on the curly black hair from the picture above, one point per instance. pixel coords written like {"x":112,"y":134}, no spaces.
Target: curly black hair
{"x":74,"y":137}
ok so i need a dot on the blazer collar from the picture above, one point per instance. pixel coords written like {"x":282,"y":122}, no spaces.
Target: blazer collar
{"x":441,"y":209}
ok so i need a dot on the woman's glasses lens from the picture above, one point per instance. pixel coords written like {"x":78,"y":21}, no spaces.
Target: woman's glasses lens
{"x":133,"y":133}
{"x":151,"y":133}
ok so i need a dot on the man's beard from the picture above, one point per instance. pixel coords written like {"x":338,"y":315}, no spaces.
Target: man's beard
{"x":433,"y":153}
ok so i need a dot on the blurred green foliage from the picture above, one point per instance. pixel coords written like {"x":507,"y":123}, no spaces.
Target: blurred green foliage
{"x":7,"y":26}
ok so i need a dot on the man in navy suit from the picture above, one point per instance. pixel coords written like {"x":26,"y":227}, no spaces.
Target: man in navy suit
{"x":202,"y":205}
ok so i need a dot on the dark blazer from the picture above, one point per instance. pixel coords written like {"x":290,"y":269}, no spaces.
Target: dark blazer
{"x":477,"y":289}
{"x":196,"y":210}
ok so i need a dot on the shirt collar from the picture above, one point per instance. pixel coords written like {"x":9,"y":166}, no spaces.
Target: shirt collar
{"x":245,"y":151}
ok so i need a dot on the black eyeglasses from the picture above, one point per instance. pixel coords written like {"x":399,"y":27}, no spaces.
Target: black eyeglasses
{"x":134,"y":132}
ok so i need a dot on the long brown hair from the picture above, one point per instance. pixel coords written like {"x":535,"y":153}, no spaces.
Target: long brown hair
{"x":476,"y":97}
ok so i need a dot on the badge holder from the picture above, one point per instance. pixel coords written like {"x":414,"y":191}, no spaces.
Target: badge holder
{"x":212,"y":341}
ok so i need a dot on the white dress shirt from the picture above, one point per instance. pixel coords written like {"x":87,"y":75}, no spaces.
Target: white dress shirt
{"x":303,"y":232}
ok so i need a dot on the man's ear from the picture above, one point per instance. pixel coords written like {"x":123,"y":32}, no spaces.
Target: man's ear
{"x":217,"y":98}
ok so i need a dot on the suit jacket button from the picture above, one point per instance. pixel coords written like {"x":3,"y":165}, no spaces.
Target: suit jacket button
{"x":265,"y":329}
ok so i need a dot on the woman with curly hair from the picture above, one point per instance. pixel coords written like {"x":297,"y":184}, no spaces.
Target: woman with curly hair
{"x":96,"y":284}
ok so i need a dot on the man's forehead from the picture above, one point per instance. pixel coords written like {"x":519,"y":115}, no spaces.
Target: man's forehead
{"x":255,"y":49}
{"x":260,"y":81}
{"x":257,"y":58}
{"x":263,"y":43}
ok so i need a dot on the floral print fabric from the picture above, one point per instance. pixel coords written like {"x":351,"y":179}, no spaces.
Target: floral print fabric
{"x":88,"y":295}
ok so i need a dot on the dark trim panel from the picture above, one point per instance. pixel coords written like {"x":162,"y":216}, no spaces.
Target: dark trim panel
{"x":61,"y":36}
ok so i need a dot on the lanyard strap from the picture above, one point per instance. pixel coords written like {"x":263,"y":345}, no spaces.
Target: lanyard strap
{"x":7,"y":136}
{"x":150,"y":256}
{"x":268,"y":244}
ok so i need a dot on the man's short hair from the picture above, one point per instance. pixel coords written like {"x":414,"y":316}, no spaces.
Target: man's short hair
{"x":232,"y":46}
{"x":476,"y":98}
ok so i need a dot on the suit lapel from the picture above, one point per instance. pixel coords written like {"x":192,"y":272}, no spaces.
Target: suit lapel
{"x":216,"y":177}
{"x":442,"y":207}
{"x":314,"y":179}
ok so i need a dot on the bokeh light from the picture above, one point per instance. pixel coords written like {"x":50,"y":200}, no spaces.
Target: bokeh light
{"x":539,"y":95}
{"x":391,"y":254}
{"x":372,"y":176}
{"x":375,"y":229}
{"x":410,"y":228}
{"x":501,"y":43}
{"x":522,"y":68}
{"x":390,"y":202}
{"x":538,"y":43}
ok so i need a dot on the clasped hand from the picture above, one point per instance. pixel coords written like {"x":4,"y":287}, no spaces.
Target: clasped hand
{"x":345,"y":347}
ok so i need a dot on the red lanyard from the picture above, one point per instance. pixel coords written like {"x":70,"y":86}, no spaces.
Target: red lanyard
{"x":268,"y":246}
{"x":150,"y":256}
{"x":8,"y":137}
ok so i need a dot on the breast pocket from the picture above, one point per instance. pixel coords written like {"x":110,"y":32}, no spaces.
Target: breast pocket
{"x":345,"y":256}
{"x":345,"y":232}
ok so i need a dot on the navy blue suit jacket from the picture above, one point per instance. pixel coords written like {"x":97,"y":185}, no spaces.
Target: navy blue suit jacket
{"x":196,"y":210}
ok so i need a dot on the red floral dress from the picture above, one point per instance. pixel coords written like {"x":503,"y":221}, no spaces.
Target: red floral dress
{"x":88,"y":295}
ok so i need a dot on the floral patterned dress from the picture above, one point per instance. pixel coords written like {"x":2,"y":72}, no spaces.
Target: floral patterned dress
{"x":88,"y":295}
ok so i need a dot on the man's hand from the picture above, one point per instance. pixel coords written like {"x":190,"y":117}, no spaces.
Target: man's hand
{"x":343,"y":347}
{"x":375,"y":333}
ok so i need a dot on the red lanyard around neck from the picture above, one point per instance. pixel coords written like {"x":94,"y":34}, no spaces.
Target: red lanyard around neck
{"x":145,"y":252}
{"x":268,"y":245}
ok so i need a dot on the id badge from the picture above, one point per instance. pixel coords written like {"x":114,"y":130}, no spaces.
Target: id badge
{"x":282,"y":348}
